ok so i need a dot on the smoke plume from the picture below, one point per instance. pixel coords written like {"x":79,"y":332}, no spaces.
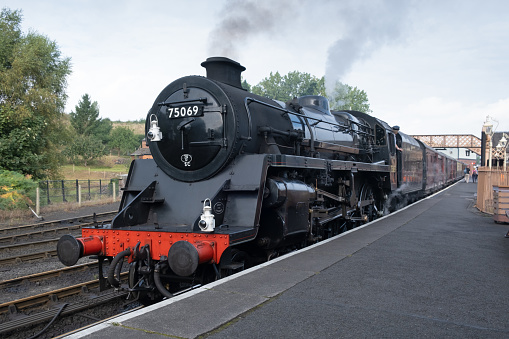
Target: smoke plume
{"x":356,"y":28}
{"x":365,"y":26}
{"x":243,"y":20}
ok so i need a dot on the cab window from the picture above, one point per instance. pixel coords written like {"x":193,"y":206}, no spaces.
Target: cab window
{"x":380,"y":139}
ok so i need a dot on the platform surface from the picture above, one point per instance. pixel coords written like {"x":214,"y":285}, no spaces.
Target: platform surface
{"x":436,"y":269}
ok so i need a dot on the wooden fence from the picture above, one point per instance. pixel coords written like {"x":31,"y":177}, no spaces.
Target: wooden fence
{"x":486,"y":180}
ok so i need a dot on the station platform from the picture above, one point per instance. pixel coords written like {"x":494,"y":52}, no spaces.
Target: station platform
{"x":437,"y":268}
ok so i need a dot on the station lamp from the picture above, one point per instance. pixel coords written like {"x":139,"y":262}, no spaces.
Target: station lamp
{"x":503,"y":145}
{"x":487,"y":128}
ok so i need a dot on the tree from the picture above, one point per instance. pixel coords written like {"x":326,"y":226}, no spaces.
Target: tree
{"x":294,"y":84}
{"x":91,"y":132}
{"x":245,"y":85}
{"x":346,"y":97}
{"x":124,"y":140}
{"x":32,"y":99}
{"x":86,"y":121}
{"x":84,"y":148}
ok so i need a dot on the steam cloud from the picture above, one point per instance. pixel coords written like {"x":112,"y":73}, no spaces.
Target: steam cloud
{"x":243,"y":20}
{"x":362,"y":27}
{"x":366,"y":27}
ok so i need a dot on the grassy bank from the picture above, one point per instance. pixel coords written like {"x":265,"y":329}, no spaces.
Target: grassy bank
{"x":106,"y":168}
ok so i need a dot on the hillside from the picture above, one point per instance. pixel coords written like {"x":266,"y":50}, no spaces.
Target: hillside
{"x":137,"y":127}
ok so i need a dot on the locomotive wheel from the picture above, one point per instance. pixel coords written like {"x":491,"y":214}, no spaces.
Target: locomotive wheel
{"x":240,"y":257}
{"x":146,"y":292}
{"x":369,"y":210}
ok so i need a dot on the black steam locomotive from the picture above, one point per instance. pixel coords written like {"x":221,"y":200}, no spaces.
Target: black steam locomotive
{"x":238,"y":179}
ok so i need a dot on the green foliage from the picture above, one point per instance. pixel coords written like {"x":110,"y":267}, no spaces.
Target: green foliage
{"x":86,"y":121}
{"x":91,"y":133}
{"x":124,"y":140}
{"x":32,"y":98}
{"x":245,"y":85}
{"x":84,"y":148}
{"x":15,"y":190}
{"x":103,"y":130}
{"x":294,"y":84}
{"x":346,"y":97}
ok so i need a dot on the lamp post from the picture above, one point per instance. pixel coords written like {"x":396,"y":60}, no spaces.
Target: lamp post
{"x":487,"y":128}
{"x":503,"y":144}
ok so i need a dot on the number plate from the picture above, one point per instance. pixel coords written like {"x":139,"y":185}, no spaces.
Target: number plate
{"x":185,"y":111}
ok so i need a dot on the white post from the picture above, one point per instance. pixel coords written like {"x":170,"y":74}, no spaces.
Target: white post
{"x":505,"y":159}
{"x":79,"y":195}
{"x":491,"y":151}
{"x":37,"y":201}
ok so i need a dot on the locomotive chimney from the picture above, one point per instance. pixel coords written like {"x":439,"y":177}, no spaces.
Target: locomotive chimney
{"x":224,"y":70}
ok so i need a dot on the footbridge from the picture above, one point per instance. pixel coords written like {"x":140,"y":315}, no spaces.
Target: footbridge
{"x":468,"y":141}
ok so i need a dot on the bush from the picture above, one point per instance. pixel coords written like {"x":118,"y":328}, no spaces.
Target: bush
{"x":15,"y":190}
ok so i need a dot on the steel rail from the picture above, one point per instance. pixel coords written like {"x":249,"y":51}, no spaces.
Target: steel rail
{"x":13,"y":238}
{"x":48,"y":274}
{"x":45,"y":316}
{"x":29,"y":244}
{"x":32,"y":256}
{"x":42,"y":298}
{"x":85,"y":218}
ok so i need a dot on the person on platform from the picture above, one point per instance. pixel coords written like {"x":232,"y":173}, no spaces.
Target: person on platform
{"x":467,"y":174}
{"x":474,"y":175}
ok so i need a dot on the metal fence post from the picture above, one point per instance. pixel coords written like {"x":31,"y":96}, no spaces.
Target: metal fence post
{"x":78,"y":197}
{"x":63,"y":192}
{"x":47,"y":191}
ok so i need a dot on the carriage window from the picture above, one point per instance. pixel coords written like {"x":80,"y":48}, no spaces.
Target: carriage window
{"x":380,"y":136}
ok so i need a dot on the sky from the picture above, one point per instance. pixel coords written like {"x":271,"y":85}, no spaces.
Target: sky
{"x":431,"y":67}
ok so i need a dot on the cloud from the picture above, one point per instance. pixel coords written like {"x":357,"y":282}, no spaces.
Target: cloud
{"x":439,"y":115}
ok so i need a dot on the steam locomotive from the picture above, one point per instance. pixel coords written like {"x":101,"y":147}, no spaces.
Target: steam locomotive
{"x":237,"y":179}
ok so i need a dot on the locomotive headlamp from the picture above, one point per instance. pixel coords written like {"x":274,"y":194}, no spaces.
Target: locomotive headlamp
{"x":207,"y":222}
{"x":154,"y":133}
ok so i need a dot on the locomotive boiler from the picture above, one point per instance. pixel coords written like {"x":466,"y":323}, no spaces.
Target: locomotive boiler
{"x":237,"y":179}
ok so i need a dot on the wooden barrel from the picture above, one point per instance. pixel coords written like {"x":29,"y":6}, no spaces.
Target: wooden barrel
{"x":500,"y":203}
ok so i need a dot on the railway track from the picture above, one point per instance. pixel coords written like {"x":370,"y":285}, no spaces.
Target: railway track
{"x":54,"y":231}
{"x":96,"y":217}
{"x":42,"y":230}
{"x":27,"y":257}
{"x":19,"y":314}
{"x":64,"y":310}
{"x":42,"y":298}
{"x":48,"y":274}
